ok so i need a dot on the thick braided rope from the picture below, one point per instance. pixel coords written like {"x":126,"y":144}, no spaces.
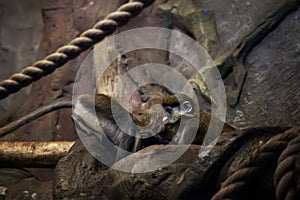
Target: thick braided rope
{"x":235,"y":184}
{"x":87,"y":39}
{"x":284,"y":178}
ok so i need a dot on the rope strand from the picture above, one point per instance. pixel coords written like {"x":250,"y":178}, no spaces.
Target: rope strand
{"x":87,"y":39}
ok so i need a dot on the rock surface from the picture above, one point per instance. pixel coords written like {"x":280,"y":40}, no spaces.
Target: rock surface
{"x":84,"y":177}
{"x":194,"y":174}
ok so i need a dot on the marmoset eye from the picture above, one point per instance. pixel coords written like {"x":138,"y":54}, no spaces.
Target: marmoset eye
{"x":168,"y":109}
{"x":186,"y":107}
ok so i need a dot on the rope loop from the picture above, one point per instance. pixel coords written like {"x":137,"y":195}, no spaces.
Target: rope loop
{"x":283,"y":145}
{"x":284,"y":176}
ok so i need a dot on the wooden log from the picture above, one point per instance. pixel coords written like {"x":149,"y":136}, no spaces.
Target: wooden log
{"x":32,"y":154}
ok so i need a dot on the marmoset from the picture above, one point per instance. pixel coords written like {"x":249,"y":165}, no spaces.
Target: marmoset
{"x":180,"y":108}
{"x":85,"y":106}
{"x":162,"y":125}
{"x":184,"y":124}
